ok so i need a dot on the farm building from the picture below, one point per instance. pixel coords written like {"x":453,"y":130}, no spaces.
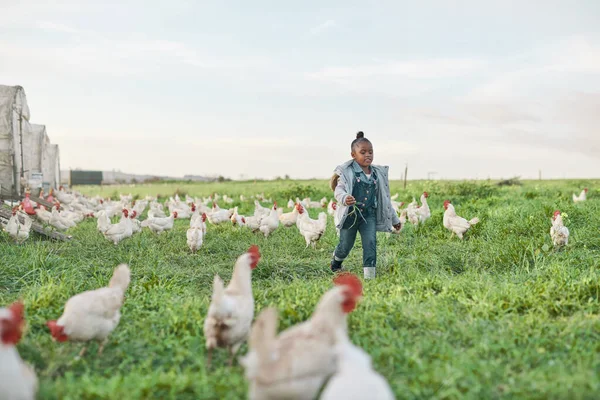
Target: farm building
{"x":27,"y":158}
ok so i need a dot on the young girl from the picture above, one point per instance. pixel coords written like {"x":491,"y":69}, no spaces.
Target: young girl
{"x":363,"y":194}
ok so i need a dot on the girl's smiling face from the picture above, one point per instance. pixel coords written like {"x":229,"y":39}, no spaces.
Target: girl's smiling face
{"x":363,"y":154}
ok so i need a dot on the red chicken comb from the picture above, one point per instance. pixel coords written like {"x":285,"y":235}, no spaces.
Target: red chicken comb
{"x":255,"y":255}
{"x":556,"y":214}
{"x":353,"y":291}
{"x":350,"y":280}
{"x":12,"y":329}
{"x":203,"y":217}
{"x":446,"y":202}
{"x":426,"y":194}
{"x":57,"y":331}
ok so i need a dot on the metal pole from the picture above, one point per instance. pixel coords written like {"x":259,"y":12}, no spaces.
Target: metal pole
{"x":21,"y":142}
{"x":405,"y":175}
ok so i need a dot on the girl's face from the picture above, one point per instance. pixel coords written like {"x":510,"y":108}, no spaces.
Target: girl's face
{"x":363,"y":154}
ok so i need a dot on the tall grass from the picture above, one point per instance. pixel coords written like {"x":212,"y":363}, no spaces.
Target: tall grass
{"x":498,"y":315}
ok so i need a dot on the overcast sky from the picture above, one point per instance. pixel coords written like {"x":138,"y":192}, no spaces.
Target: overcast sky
{"x":466,"y":89}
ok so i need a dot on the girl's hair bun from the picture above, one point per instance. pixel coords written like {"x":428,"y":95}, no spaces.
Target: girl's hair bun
{"x":360,"y":135}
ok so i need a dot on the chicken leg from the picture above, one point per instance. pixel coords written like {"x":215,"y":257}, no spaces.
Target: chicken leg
{"x":102,"y":344}
{"x":209,"y":358}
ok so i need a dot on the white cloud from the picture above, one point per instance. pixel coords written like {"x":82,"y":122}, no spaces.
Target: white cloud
{"x":329,"y":24}
{"x":413,"y":69}
{"x":56,"y":27}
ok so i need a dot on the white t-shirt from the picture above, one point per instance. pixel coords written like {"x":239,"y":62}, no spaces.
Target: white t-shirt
{"x":368,"y":176}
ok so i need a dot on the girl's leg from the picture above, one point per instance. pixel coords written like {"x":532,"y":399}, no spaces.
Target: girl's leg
{"x":347,"y":239}
{"x":368,"y":235}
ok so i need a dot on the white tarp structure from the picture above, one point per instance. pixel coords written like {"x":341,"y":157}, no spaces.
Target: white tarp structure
{"x":26,"y":154}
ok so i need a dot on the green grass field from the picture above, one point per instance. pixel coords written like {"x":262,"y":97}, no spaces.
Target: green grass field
{"x":498,"y":315}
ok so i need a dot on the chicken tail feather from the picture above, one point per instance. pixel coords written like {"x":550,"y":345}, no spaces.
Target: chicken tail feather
{"x":474,"y":221}
{"x":218,"y":290}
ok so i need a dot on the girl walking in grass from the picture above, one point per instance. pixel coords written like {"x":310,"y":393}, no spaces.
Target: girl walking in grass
{"x":363,"y":194}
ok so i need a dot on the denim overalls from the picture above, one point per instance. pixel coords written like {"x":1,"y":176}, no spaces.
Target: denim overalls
{"x":361,"y":218}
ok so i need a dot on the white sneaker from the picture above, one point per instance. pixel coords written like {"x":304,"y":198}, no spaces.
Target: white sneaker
{"x":369,"y":272}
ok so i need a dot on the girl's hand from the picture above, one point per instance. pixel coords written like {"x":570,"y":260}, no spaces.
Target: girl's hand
{"x":398,"y":226}
{"x":350,"y":200}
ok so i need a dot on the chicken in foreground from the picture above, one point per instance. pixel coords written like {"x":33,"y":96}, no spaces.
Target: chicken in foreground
{"x":355,"y":378}
{"x":559,"y":232}
{"x":231,"y":309}
{"x":312,"y":230}
{"x":17,"y":379}
{"x":296,"y":363}
{"x":582,"y":196}
{"x":94,"y":314}
{"x":455,"y":224}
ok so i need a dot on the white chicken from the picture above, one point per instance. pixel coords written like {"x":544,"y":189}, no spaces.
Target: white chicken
{"x":17,"y":379}
{"x":136,"y":224}
{"x":423,"y":211}
{"x":455,"y":224}
{"x":559,"y":232}
{"x":94,"y":314}
{"x":63,"y":197}
{"x":253,"y":222}
{"x":355,"y":378}
{"x":199,"y":221}
{"x":156,"y":211}
{"x":121,"y":230}
{"x":271,"y":222}
{"x":582,"y":196}
{"x":195,"y":238}
{"x":289,"y":219}
{"x":159,"y":225}
{"x":43,"y":214}
{"x":231,"y":309}
{"x":331,"y":207}
{"x":237,"y":219}
{"x":312,"y":230}
{"x":291,"y":204}
{"x":411,"y":212}
{"x":397,"y":205}
{"x":260,"y":211}
{"x":296,"y":363}
{"x":59,"y":222}
{"x":219,"y":216}
{"x":402,"y":218}
{"x":103,"y":222}
{"x":17,"y":230}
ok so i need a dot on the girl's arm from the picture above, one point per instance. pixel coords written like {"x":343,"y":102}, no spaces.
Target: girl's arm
{"x":340,"y":191}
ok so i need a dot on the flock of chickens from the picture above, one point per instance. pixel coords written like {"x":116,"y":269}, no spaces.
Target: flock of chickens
{"x":294,"y":364}
{"x":71,"y":208}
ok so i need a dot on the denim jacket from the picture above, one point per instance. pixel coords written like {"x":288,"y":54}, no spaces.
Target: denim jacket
{"x":386,"y":216}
